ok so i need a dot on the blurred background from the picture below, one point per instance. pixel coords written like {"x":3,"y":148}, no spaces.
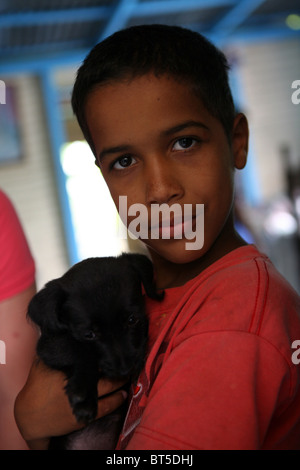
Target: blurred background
{"x":47,"y":169}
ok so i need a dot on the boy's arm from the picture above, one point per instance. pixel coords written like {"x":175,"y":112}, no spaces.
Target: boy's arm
{"x":42,"y":409}
{"x":216,"y":390}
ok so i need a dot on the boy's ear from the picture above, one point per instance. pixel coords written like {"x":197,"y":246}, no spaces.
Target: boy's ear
{"x":240,"y":137}
{"x":44,"y":308}
{"x":144,"y":267}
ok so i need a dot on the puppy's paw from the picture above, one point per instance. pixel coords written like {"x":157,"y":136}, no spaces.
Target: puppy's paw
{"x":83,"y":403}
{"x":85,"y":411}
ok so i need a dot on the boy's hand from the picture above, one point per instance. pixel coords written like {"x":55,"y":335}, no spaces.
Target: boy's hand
{"x":42,"y":408}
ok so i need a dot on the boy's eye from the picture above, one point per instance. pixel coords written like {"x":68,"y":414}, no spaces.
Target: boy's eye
{"x":123,"y":162}
{"x":184,"y":143}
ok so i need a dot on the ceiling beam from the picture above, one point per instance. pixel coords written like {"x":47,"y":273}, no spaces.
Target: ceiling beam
{"x":127,"y":9}
{"x":40,"y":62}
{"x":236,"y":16}
{"x":119,"y":17}
{"x":71,"y":15}
{"x":178,"y":6}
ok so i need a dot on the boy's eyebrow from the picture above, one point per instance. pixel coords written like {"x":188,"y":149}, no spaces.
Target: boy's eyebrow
{"x":172,"y":130}
{"x":112,"y":150}
{"x":183,"y":126}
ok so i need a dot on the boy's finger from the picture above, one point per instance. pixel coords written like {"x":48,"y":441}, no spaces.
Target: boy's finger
{"x":110,"y":403}
{"x":106,"y":386}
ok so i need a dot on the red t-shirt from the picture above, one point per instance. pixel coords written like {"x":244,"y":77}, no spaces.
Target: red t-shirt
{"x":220,"y":374}
{"x":17,"y":269}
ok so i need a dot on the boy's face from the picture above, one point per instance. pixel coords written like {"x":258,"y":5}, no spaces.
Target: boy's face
{"x":156,"y":143}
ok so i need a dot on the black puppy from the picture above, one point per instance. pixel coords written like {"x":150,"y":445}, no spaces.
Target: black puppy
{"x":93,"y":324}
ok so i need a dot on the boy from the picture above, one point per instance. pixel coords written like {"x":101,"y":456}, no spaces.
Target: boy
{"x":155,"y":106}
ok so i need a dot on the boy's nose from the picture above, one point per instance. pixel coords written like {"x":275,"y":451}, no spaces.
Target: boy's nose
{"x":162,"y":183}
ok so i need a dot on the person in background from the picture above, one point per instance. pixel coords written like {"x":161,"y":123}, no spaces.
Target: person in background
{"x":17,"y":336}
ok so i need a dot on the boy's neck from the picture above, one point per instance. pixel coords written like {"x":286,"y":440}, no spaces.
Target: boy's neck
{"x":169,"y":274}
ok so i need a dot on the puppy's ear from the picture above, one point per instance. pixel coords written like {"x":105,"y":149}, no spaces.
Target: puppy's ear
{"x":144,"y":268}
{"x":44,"y":308}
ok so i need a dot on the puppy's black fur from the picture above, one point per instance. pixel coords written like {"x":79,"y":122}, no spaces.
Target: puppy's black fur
{"x":93,"y":324}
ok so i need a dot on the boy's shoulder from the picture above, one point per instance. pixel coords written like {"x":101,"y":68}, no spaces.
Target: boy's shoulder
{"x":245,"y":279}
{"x":243,"y":292}
{"x":239,"y":300}
{"x":247,"y":271}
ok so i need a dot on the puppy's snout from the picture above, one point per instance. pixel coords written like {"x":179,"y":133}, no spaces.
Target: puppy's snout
{"x":123,"y":364}
{"x":118,"y":362}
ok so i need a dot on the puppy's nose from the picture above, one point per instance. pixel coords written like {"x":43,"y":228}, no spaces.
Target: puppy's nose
{"x":116,"y":365}
{"x":126,"y":367}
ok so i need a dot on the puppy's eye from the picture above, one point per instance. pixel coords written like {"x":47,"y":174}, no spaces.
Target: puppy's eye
{"x":132,"y":320}
{"x":90,"y":335}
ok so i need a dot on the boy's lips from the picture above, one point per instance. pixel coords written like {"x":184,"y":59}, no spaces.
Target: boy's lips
{"x":174,"y":227}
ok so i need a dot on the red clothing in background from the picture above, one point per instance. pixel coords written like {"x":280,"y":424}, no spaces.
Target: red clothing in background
{"x":219,"y":373}
{"x":17,"y":269}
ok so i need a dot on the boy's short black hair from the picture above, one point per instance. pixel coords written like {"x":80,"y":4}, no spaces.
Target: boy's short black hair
{"x":173,"y":51}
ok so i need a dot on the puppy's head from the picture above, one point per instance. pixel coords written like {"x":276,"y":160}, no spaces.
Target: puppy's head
{"x":99,"y":302}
